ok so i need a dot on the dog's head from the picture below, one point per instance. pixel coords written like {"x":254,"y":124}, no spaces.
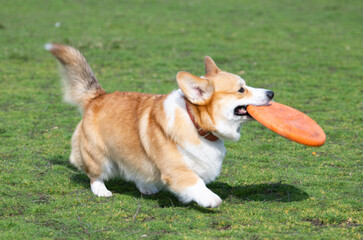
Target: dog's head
{"x":221,"y":99}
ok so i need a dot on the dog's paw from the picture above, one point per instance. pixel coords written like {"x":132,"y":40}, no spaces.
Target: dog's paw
{"x":208,"y":200}
{"x":147,"y":188}
{"x":99,"y":189}
{"x":201,"y":195}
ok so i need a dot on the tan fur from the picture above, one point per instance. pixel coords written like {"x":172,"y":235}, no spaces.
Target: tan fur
{"x":79,"y":82}
{"x":129,"y":128}
{"x":226,"y":86}
{"x":184,"y":130}
{"x":130,"y":131}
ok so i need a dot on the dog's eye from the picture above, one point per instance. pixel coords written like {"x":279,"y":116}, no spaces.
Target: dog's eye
{"x":241,"y":90}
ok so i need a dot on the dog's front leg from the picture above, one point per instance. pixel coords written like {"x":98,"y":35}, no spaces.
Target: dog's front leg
{"x":189,"y":187}
{"x":175,"y":174}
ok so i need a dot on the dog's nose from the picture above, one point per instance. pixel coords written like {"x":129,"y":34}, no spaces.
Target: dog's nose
{"x":270,"y":94}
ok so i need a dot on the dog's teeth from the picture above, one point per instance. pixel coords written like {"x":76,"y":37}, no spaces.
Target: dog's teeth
{"x":242,"y":111}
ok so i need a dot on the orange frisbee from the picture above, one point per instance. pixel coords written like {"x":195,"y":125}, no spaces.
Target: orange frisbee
{"x":289,"y":123}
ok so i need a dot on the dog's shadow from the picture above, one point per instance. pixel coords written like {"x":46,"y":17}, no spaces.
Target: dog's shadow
{"x":270,"y":192}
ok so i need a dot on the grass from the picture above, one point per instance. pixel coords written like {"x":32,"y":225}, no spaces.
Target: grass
{"x":308,"y":52}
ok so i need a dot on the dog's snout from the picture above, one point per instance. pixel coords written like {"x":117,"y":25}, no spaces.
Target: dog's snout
{"x":270,"y":94}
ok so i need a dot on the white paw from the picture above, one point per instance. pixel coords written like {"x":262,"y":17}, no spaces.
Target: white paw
{"x":209,"y":199}
{"x":147,"y":188}
{"x":201,"y":195}
{"x":99,"y":189}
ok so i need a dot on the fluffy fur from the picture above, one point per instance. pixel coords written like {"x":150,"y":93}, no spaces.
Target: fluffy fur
{"x":150,"y":139}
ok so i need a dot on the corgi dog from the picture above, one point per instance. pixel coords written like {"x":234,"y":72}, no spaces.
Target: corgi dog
{"x":173,"y":141}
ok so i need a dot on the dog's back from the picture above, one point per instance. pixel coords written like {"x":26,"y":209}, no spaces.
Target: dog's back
{"x":173,"y":141}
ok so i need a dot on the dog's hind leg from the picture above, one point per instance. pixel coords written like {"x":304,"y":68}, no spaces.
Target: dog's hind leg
{"x":92,"y":160}
{"x":99,"y":189}
{"x":147,"y":188}
{"x":76,"y":157}
{"x":94,"y":170}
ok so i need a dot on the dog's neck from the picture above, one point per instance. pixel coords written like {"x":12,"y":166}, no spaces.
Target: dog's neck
{"x":206,"y":134}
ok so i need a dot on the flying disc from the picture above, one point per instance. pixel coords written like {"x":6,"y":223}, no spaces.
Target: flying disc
{"x":289,"y":123}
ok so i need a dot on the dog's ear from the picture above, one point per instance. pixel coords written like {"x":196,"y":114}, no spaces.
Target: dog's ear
{"x":210,"y":66}
{"x":197,"y":90}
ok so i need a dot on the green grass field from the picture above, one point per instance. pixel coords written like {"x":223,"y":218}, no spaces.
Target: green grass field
{"x":309,"y":52}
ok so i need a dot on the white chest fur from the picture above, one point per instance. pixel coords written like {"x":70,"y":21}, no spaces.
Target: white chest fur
{"x":204,"y":159}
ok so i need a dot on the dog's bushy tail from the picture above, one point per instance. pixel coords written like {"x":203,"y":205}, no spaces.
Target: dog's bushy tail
{"x":79,"y":82}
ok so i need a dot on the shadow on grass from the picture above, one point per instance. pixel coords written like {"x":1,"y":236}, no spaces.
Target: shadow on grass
{"x":269,"y":192}
{"x":273,"y":192}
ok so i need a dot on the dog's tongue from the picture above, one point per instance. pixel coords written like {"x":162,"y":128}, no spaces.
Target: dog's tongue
{"x":242,"y":111}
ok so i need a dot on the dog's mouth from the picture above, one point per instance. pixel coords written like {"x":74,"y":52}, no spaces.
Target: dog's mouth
{"x":241,"y":111}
